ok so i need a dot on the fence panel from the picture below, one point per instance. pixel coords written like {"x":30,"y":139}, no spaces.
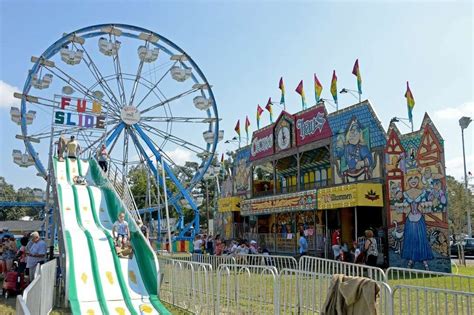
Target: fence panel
{"x":330,"y":267}
{"x":21,"y":307}
{"x":48,"y":280}
{"x":430,"y":279}
{"x":279,"y":262}
{"x":188,"y":285}
{"x":214,"y":261}
{"x":302,"y":292}
{"x":246,"y":290}
{"x":420,"y":300}
{"x":32,"y":295}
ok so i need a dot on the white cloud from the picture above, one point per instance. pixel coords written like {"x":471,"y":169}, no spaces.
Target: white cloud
{"x":456,"y":112}
{"x":180,"y":156}
{"x":6,"y":95}
{"x":455,"y":166}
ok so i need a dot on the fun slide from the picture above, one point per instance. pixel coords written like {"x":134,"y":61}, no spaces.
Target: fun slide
{"x":98,"y":281}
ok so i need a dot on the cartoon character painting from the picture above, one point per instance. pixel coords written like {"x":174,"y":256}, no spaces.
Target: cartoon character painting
{"x":417,"y":199}
{"x":415,"y":245}
{"x":354,"y":154}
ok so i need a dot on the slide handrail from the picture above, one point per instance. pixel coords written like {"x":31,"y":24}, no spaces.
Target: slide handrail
{"x":121,"y":187}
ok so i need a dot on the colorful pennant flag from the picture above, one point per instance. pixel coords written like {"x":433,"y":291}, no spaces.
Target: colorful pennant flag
{"x":259,"y":114}
{"x":356,"y":72}
{"x":410,"y":102}
{"x":237,"y":128}
{"x":281,"y":86}
{"x":334,"y":86}
{"x":317,"y":89}
{"x":300,"y":91}
{"x":269,"y":108}
{"x":247,"y":124}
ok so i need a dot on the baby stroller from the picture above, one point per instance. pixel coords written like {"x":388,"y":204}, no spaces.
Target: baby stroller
{"x":14,"y":282}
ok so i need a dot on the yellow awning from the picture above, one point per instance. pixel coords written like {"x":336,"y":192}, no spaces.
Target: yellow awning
{"x":351,"y":195}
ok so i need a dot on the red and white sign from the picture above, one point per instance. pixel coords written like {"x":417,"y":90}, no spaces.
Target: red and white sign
{"x":311,"y":126}
{"x":262,"y":143}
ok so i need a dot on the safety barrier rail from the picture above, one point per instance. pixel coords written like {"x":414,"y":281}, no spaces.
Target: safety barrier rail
{"x":37,"y":298}
{"x":247,"y":290}
{"x":330,"y":267}
{"x":430,"y":279}
{"x":420,"y":300}
{"x":239,"y":288}
{"x":121,"y":187}
{"x":279,"y":262}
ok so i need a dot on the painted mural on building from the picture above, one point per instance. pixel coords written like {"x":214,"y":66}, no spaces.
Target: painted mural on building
{"x":417,"y":199}
{"x":242,"y":171}
{"x":358,"y":142}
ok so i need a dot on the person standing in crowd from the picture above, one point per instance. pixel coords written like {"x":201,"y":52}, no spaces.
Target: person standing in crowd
{"x":9,"y":252}
{"x":210,"y":245}
{"x":336,"y":243}
{"x":36,"y":254}
{"x":253,"y":249}
{"x":102,"y":157}
{"x":197,"y":244}
{"x":219,"y":247}
{"x":72,"y":148}
{"x":21,"y":255}
{"x":303,"y":243}
{"x":371,"y":248}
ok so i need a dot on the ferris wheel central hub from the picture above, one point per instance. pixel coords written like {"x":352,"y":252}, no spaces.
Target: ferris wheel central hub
{"x":130,"y":115}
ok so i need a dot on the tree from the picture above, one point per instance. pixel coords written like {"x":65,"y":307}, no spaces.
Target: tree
{"x":458,"y":201}
{"x":8,"y":193}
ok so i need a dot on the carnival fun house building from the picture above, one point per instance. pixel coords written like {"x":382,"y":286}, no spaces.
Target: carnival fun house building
{"x":313,"y":172}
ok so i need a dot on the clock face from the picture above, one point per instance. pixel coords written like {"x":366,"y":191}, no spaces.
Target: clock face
{"x":284,"y":138}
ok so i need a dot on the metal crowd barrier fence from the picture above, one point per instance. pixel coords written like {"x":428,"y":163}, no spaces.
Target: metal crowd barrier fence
{"x":330,"y":267}
{"x":247,"y":290}
{"x":188,"y":285}
{"x":279,"y":262}
{"x":302,"y":292}
{"x":430,"y":279}
{"x":213,"y":260}
{"x":420,"y":300}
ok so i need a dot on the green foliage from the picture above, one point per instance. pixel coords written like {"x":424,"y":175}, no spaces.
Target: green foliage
{"x":8,"y":193}
{"x":458,"y":203}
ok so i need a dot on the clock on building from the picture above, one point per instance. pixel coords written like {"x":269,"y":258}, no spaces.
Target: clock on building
{"x":283,"y":138}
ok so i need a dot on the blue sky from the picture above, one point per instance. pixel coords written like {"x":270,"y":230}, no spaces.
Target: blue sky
{"x":243,"y":48}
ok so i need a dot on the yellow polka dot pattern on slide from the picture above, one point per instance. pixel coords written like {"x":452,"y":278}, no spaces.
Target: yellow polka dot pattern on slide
{"x":120,"y":310}
{"x":109,"y":276}
{"x":85,"y":208}
{"x":90,"y":312}
{"x":145,"y":308}
{"x":84,"y":277}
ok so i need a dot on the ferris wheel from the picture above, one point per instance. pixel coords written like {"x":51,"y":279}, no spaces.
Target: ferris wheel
{"x":128,"y":88}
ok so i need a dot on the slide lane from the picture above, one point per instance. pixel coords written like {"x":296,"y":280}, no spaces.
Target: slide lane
{"x":127,"y":270}
{"x":140,"y":272}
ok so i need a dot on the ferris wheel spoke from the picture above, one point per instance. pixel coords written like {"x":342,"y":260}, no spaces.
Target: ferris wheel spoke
{"x":169,"y":100}
{"x":101,"y":138}
{"x":99,"y":77}
{"x":119,"y":77}
{"x":203,"y":120}
{"x":113,"y":139}
{"x":64,"y":76}
{"x":169,"y":137}
{"x":125,"y":155}
{"x":156,"y":84}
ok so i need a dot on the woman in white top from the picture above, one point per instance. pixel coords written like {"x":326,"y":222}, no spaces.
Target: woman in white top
{"x":371,"y":248}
